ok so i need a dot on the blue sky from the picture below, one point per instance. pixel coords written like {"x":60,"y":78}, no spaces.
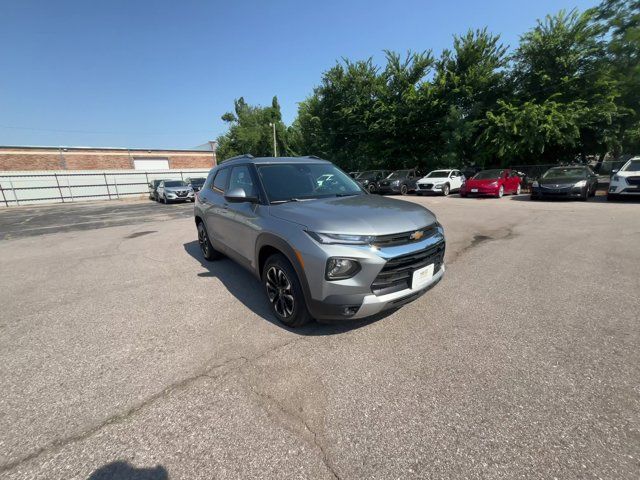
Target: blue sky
{"x":159,"y":74}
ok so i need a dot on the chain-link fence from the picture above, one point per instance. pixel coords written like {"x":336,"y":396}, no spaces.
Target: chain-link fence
{"x":28,"y":188}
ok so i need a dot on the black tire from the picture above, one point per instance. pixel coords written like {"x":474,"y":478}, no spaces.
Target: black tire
{"x":404,"y":190}
{"x":500,"y":192}
{"x":611,"y":197}
{"x":371,"y":188}
{"x":206,"y":247}
{"x":285,"y":295}
{"x":586,"y":195}
{"x":446,"y":190}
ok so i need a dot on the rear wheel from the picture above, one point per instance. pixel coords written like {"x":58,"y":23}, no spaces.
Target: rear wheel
{"x":284,"y":292}
{"x":206,"y":248}
{"x":371,"y":188}
{"x":404,"y":189}
{"x":518,"y":190}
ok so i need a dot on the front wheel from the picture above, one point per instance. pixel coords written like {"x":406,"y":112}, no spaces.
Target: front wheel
{"x":404,"y":189}
{"x":586,"y":195}
{"x":284,"y":292}
{"x":445,"y":190}
{"x":501,"y":191}
{"x":371,"y":188}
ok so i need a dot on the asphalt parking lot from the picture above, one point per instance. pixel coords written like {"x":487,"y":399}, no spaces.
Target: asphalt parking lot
{"x":123,"y":354}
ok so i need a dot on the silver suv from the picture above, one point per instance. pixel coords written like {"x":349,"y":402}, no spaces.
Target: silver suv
{"x":321,"y":246}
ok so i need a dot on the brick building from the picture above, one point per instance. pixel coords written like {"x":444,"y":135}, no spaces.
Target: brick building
{"x":88,"y":158}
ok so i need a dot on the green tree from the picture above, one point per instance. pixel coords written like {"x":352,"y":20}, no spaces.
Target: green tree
{"x":470,"y":79}
{"x":250,"y":131}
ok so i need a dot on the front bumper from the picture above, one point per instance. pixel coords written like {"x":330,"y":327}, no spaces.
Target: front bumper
{"x":388,"y":188}
{"x":619,"y":188}
{"x":493,"y":191}
{"x":561,"y":192}
{"x":173,"y":196}
{"x":429,"y":188}
{"x":372,"y":304}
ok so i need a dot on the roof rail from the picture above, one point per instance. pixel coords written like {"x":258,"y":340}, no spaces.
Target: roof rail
{"x":311,"y":156}
{"x":244,"y":155}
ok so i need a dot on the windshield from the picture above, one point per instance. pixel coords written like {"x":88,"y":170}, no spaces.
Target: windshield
{"x":399,"y":174}
{"x":367,"y":175}
{"x":632,"y":166}
{"x":298,"y":181}
{"x":197,"y":181}
{"x":175,"y":183}
{"x":438,"y":173}
{"x":569,"y":172}
{"x":488,"y":174}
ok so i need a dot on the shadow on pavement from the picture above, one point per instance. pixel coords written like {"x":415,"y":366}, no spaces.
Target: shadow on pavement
{"x":248,"y":290}
{"x":121,"y":470}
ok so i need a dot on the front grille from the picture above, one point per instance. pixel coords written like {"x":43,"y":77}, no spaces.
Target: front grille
{"x":397,"y":272}
{"x":633,"y":180}
{"x":425,"y":186}
{"x":181,"y":194}
{"x":404,"y":238}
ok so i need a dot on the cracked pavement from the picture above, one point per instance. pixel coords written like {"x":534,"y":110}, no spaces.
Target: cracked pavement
{"x":124,"y":355}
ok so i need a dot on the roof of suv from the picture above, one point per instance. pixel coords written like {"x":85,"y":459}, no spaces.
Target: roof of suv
{"x":272,"y":160}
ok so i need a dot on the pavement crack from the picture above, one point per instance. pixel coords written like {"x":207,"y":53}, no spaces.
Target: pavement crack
{"x":296,"y":424}
{"x":212,"y":372}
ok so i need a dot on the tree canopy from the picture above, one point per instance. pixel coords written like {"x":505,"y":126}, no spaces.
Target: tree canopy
{"x":569,"y":90}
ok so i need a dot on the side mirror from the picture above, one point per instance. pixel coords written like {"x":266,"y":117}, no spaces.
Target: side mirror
{"x":238,"y":195}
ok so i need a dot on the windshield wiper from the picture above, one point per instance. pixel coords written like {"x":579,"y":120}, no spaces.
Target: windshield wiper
{"x":347,"y":194}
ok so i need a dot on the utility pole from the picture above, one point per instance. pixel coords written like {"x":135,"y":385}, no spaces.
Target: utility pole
{"x":275,"y":148}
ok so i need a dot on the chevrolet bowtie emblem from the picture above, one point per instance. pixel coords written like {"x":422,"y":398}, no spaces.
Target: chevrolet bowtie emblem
{"x":417,"y":235}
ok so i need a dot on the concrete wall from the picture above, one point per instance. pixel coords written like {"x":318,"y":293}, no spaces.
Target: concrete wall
{"x":63,"y":186}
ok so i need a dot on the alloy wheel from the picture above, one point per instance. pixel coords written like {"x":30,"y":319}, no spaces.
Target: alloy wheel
{"x":280,"y":292}
{"x":203,"y":240}
{"x":501,"y":191}
{"x":445,"y":190}
{"x":518,"y":190}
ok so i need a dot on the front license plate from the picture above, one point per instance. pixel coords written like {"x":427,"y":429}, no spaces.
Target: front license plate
{"x":422,"y":276}
{"x":474,"y":190}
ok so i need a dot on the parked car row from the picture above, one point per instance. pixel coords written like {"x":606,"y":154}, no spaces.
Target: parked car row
{"x":572,"y":181}
{"x":169,"y":190}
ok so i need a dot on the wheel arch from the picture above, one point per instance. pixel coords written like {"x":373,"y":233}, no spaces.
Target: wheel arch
{"x":266,"y":245}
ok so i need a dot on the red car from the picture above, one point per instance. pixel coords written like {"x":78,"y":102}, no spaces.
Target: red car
{"x":492,"y":182}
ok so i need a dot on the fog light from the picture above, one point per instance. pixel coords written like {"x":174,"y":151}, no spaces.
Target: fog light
{"x":341,"y":268}
{"x":350,"y":311}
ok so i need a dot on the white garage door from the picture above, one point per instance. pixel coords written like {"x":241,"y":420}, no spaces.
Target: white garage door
{"x":148,"y":164}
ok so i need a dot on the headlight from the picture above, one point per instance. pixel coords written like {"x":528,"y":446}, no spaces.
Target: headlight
{"x":535,"y":184}
{"x":396,"y":182}
{"x":616,"y":178}
{"x":581,"y":184}
{"x":332,"y":238}
{"x":493,"y":184}
{"x":341,"y":268}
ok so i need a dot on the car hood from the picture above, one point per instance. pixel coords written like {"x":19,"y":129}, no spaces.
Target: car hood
{"x":561,"y":181}
{"x":357,"y":215}
{"x":177,"y":189}
{"x":629,"y":173}
{"x":433,"y":179}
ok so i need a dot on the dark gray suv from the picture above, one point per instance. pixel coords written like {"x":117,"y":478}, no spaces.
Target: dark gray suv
{"x":321,"y":246}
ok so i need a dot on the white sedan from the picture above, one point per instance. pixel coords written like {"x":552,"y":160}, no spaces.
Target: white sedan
{"x":626,"y":181}
{"x":442,"y":182}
